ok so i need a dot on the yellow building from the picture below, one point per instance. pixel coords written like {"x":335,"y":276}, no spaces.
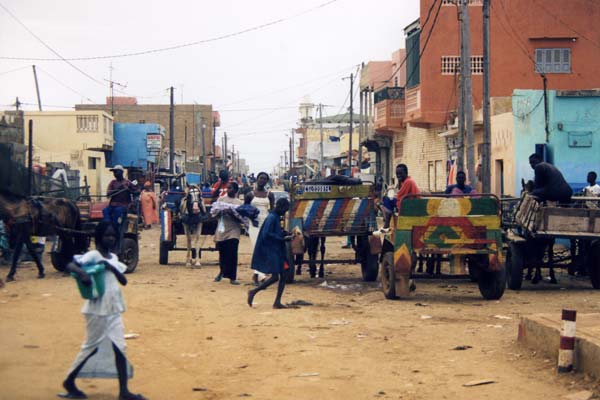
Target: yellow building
{"x":77,"y":138}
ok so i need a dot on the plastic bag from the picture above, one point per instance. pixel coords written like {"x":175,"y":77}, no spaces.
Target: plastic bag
{"x":221,"y":225}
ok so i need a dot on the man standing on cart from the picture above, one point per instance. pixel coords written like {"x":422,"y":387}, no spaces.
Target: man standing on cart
{"x":119,"y":191}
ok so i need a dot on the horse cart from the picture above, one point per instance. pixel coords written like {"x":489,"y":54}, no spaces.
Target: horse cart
{"x":321,"y":210}
{"x":90,"y":213}
{"x":173,"y":221}
{"x":462,"y":228}
{"x":539,"y":225}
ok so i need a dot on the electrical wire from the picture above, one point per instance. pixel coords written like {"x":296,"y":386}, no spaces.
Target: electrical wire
{"x":514,"y":35}
{"x":336,"y":73}
{"x":175,"y":47}
{"x":566,"y":25}
{"x":14,"y":70}
{"x":48,"y":46}
{"x":64,"y":85}
{"x":414,"y":44}
{"x":528,"y":113}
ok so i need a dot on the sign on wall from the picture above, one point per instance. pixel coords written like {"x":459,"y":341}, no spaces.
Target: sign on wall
{"x":153,"y":142}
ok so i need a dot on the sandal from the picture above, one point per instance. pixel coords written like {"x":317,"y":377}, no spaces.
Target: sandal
{"x":133,"y":396}
{"x":72,"y":395}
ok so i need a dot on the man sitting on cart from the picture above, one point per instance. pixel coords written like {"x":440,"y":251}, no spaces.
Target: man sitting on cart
{"x":119,"y":191}
{"x":549,"y":183}
{"x":459,"y":187}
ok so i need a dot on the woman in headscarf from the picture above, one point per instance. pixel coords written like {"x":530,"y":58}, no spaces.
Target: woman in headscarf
{"x":264,"y":200}
{"x":269,"y":255}
{"x":149,"y":205}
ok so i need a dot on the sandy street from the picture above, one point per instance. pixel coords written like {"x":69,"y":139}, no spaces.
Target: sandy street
{"x":199,"y":340}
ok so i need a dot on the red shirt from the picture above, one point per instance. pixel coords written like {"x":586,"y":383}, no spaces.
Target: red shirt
{"x":407,"y":187}
{"x":221,"y":188}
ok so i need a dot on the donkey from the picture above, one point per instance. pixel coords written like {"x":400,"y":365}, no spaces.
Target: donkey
{"x":41,"y":216}
{"x":192,"y":211}
{"x":312,"y":245}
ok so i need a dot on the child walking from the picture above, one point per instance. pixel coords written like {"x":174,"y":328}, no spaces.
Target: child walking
{"x":104,"y":346}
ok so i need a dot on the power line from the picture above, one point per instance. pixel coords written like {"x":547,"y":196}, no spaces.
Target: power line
{"x":50,"y":48}
{"x":14,"y":70}
{"x":179,"y":46}
{"x":291,"y":102}
{"x":566,"y":25}
{"x":64,"y":84}
{"x":514,"y":35}
{"x":415,"y":43}
{"x":289,"y":87}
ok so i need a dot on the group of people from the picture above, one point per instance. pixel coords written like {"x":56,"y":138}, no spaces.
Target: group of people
{"x":266,"y":235}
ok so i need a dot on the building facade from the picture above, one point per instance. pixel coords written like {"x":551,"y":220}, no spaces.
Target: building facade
{"x":80,"y":139}
{"x":193,"y":122}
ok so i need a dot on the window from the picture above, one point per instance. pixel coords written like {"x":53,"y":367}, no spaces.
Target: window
{"x":93,"y":162}
{"x":87,"y":123}
{"x":399,"y":149}
{"x":451,"y":65}
{"x":555,"y":61}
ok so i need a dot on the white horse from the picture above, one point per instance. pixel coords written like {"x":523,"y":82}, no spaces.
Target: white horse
{"x":192,"y":210}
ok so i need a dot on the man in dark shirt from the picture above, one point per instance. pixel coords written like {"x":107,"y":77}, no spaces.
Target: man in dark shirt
{"x":119,"y":191}
{"x":460,"y":187}
{"x":549,"y":183}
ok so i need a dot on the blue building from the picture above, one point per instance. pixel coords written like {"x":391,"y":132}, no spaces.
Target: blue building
{"x":572,"y":142}
{"x":137,"y":145}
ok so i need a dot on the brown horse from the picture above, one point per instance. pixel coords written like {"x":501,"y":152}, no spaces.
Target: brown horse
{"x":41,"y":216}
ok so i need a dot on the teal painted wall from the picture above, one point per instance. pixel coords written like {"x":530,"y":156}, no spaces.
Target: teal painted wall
{"x":574,"y":140}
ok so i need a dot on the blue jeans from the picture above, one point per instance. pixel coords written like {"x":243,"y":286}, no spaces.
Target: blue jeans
{"x":113,"y":213}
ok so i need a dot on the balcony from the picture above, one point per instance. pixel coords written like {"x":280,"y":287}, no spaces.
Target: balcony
{"x":389,"y":109}
{"x":413,"y":104}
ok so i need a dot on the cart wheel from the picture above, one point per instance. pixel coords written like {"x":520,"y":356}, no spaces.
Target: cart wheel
{"x":130,"y":254}
{"x":60,"y":260}
{"x":594,"y":264}
{"x":515,"y":258}
{"x":163,"y":254}
{"x":388,"y":280}
{"x":492,"y":284}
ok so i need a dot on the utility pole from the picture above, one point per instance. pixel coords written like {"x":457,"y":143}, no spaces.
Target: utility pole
{"x":468,"y":90}
{"x":360,"y":129}
{"x":292,"y":142}
{"x":37,"y":88}
{"x":202,"y":132}
{"x":351,"y":115}
{"x":30,"y":158}
{"x":185,"y":138}
{"x":225,"y":150}
{"x":233,"y":169}
{"x":486,"y":176}
{"x":214,"y":147}
{"x":321,"y":166}
{"x":112,"y":90}
{"x":291,"y":154}
{"x":171,"y":133}
{"x":285,"y":164}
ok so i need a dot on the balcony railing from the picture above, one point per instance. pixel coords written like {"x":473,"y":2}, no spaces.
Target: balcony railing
{"x":389,"y":93}
{"x":389,"y":115}
{"x":413,"y":99}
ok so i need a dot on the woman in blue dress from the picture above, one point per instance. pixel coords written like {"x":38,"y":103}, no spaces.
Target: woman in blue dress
{"x":269,"y":256}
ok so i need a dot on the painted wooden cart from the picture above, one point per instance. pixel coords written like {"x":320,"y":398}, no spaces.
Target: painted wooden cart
{"x":537,"y":225}
{"x":323,"y":210}
{"x":459,"y":226}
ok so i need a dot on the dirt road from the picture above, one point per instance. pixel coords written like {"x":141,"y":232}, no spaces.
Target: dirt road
{"x":199,"y":340}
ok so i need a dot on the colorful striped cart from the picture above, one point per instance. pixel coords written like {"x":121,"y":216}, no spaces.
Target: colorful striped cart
{"x":323,"y":210}
{"x":463,"y":226}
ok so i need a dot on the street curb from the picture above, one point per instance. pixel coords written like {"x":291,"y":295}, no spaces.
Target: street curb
{"x":541,"y":332}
